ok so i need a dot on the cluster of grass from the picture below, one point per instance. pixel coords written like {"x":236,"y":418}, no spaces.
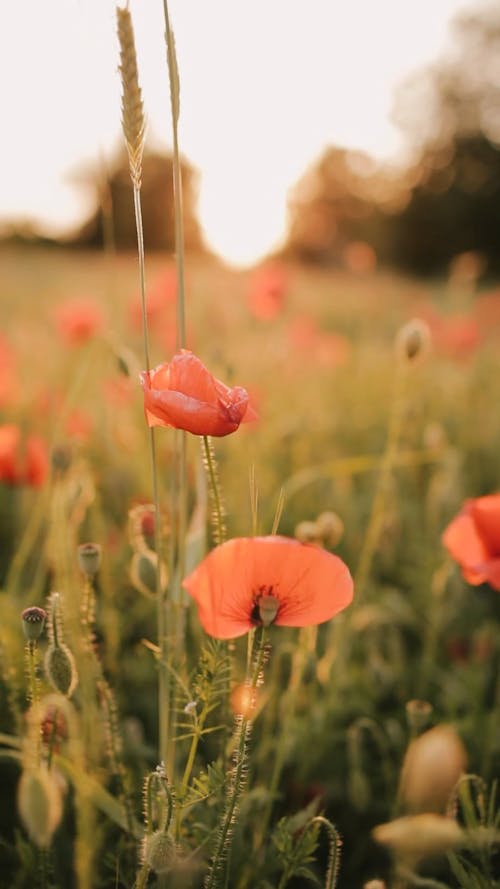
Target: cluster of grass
{"x":137,"y":751}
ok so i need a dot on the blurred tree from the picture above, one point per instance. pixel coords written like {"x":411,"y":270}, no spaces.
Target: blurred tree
{"x":446,"y":200}
{"x":113,"y":217}
{"x":451,"y":114}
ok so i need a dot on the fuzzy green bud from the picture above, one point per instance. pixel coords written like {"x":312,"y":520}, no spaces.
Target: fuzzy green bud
{"x":306,"y":532}
{"x":40,"y":805}
{"x":144,"y":572}
{"x":33,"y":622}
{"x":60,"y":668}
{"x":159,"y":852}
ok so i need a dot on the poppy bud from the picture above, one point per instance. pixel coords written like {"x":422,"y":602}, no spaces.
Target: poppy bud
{"x":418,"y":714}
{"x":60,"y":664}
{"x":414,"y":837}
{"x":374,"y":884}
{"x":159,"y":852}
{"x":60,"y":668}
{"x":33,"y":622}
{"x":432,"y":766}
{"x":306,"y":532}
{"x":40,"y":804}
{"x":413,"y":339}
{"x":330,"y":528}
{"x":144,"y":572}
{"x":89,"y":559}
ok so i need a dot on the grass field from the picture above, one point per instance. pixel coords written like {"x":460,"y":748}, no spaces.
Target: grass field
{"x":391,"y":428}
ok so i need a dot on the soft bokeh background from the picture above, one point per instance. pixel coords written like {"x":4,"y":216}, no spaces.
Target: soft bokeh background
{"x":266,"y":88}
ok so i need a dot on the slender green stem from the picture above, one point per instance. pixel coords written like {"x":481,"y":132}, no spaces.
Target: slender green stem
{"x":164,"y":692}
{"x":243,"y":730}
{"x":220,"y":528}
{"x":377,"y":513}
{"x":178,"y":503}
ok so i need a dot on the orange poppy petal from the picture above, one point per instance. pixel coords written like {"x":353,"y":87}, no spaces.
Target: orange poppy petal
{"x":311,"y":584}
{"x":182,"y":412}
{"x":463,"y":542}
{"x":491,"y":573}
{"x":486,"y":514}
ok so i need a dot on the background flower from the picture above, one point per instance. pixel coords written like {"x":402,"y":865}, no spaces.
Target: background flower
{"x":473,"y":540}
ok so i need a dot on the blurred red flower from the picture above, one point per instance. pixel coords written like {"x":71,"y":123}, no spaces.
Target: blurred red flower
{"x":160,"y":297}
{"x":250,"y":581}
{"x":473,"y":540}
{"x":7,"y":374}
{"x":267,"y":292}
{"x":78,"y":320}
{"x":182,"y":393}
{"x":22,"y":463}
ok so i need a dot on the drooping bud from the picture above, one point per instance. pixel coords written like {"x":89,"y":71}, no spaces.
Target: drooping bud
{"x":89,"y":559}
{"x":59,"y":662}
{"x":40,"y":804}
{"x":61,"y":669}
{"x":33,"y":622}
{"x":159,"y":852}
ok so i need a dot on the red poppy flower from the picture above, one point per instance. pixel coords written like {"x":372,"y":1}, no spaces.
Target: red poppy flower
{"x":22,"y":463}
{"x":185,"y":395}
{"x":473,"y":539}
{"x":267,"y":292}
{"x":250,"y":581}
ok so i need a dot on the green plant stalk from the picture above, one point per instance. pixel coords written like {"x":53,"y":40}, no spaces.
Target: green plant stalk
{"x":243,"y":729}
{"x":179,"y":509}
{"x":219,"y":529}
{"x":386,"y":467}
{"x":288,"y":705}
{"x":164,"y":689}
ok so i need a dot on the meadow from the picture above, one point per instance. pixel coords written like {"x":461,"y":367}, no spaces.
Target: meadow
{"x":359,"y":751}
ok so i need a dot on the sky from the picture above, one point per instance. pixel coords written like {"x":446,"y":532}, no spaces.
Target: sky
{"x":266,"y":85}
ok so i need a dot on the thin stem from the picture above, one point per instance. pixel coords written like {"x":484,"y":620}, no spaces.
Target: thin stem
{"x":388,"y":459}
{"x":242,"y":736}
{"x":220,"y":528}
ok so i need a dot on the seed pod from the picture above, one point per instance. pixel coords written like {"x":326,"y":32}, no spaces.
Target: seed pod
{"x":40,"y":804}
{"x":33,"y":622}
{"x":89,"y":559}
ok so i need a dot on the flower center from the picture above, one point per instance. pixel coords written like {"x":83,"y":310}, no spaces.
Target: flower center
{"x":265,"y":607}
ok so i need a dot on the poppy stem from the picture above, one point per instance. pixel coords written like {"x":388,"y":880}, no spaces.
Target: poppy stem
{"x":219,"y":527}
{"x":254,"y":678}
{"x":162,"y":620}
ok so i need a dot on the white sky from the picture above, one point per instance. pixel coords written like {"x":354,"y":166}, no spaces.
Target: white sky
{"x":265,"y":85}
